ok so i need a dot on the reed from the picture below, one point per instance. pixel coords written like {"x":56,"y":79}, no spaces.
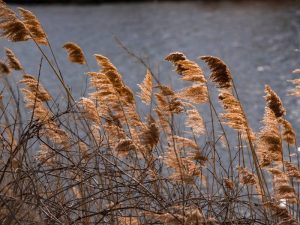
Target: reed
{"x":98,"y":160}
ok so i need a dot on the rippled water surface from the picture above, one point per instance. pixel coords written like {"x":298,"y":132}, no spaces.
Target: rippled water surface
{"x":257,"y":40}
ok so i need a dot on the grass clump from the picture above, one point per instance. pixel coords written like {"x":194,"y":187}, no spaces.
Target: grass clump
{"x":97,"y":160}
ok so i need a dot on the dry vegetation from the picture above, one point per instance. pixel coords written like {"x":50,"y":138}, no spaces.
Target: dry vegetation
{"x":97,"y":160}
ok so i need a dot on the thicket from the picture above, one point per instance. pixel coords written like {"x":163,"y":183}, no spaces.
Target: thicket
{"x":97,"y":160}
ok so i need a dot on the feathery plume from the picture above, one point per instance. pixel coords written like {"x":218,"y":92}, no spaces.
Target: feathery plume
{"x":169,"y":104}
{"x":274,"y":102}
{"x":84,"y":151}
{"x":182,"y":143}
{"x":75,"y":53}
{"x":195,"y":121}
{"x":189,"y":70}
{"x":220,"y":73}
{"x":165,"y":90}
{"x":228,"y":184}
{"x":11,"y":27}
{"x":292,"y":170}
{"x":90,"y":110}
{"x":115,"y":78}
{"x":296,"y":71}
{"x":296,"y":90}
{"x":185,"y":169}
{"x":125,"y":146}
{"x":184,"y":166}
{"x":150,"y":135}
{"x":13,"y":61}
{"x":233,"y":116}
{"x":196,"y":94}
{"x":35,"y":95}
{"x":4,"y":69}
{"x":105,"y":64}
{"x":282,"y":187}
{"x":34,"y":26}
{"x":269,"y":146}
{"x":36,"y":87}
{"x":163,"y":118}
{"x":246,"y":177}
{"x":146,"y":88}
{"x":282,"y":213}
{"x":288,"y":132}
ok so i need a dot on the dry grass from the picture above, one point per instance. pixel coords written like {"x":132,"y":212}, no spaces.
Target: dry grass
{"x":96,"y":160}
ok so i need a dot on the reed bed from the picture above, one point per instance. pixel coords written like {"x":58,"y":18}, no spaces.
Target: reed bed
{"x":98,"y":160}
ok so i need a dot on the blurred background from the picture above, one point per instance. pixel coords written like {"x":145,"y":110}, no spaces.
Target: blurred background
{"x":257,"y":40}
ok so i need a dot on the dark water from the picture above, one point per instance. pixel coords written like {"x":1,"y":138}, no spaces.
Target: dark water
{"x":256,"y":39}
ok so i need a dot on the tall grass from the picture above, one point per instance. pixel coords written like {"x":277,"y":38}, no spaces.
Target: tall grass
{"x":97,"y":160}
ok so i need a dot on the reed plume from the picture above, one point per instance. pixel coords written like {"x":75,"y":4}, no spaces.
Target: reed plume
{"x":246,"y":177}
{"x":292,"y":170}
{"x":89,"y":110}
{"x":196,"y":94}
{"x":35,"y":95}
{"x":296,"y":90}
{"x":296,"y":71}
{"x":195,"y":121}
{"x":75,"y":53}
{"x":105,"y":64}
{"x":274,"y":102}
{"x":11,"y":27}
{"x":285,"y":218}
{"x":282,"y":187}
{"x":36,"y":88}
{"x":233,"y":116}
{"x":146,"y":88}
{"x":269,"y":146}
{"x":34,"y":26}
{"x":184,"y":166}
{"x":4,"y":69}
{"x":125,"y":146}
{"x":185,"y":169}
{"x":104,"y":94}
{"x":220,"y":73}
{"x":13,"y":61}
{"x":189,"y":70}
{"x":288,"y":132}
{"x":169,"y":105}
{"x":149,"y":135}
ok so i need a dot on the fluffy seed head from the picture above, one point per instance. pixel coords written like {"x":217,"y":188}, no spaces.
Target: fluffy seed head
{"x":196,"y":94}
{"x":195,"y":121}
{"x":146,"y":88}
{"x":4,"y":69}
{"x":34,"y":26}
{"x":13,"y":61}
{"x":288,"y":132}
{"x":188,"y":69}
{"x":75,"y":53}
{"x":11,"y":27}
{"x":274,"y":102}
{"x":220,"y":73}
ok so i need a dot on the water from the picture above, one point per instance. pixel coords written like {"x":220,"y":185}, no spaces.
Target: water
{"x":256,"y":39}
